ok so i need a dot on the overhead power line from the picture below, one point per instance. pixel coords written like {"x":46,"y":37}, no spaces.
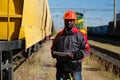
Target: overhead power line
{"x":93,"y":18}
{"x":79,"y":9}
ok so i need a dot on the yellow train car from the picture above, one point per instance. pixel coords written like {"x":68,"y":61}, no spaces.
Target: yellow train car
{"x":27,"y":20}
{"x":23,"y":24}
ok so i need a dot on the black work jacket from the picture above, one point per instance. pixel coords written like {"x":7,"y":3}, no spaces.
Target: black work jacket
{"x":69,"y":42}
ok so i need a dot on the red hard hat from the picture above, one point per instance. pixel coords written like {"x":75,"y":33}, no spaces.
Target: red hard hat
{"x":70,"y":15}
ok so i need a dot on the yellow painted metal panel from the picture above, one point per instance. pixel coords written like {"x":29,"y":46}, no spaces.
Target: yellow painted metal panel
{"x":14,"y":28}
{"x":44,"y":14}
{"x":44,"y":19}
{"x":3,"y":28}
{"x":3,"y":6}
{"x":32,"y":14}
{"x":15,"y":14}
{"x":28,"y":13}
{"x":39,"y":8}
{"x":32,"y":21}
{"x":50,"y":28}
{"x":43,"y":34}
{"x":22,"y":33}
{"x":10,"y":19}
{"x":48,"y":21}
{"x":16,"y":6}
{"x":33,"y":35}
{"x":3,"y":21}
{"x":24,"y":19}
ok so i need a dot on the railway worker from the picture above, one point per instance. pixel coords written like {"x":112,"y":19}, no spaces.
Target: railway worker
{"x":69,"y":47}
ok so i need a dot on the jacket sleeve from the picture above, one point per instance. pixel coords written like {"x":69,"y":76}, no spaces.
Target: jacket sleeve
{"x":78,"y":55}
{"x":87,"y":46}
{"x":54,"y":47}
{"x":84,"y":49}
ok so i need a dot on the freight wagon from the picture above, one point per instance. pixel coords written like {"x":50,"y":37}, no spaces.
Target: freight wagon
{"x":117,"y":29}
{"x":23,"y":24}
{"x":98,"y":30}
{"x":106,"y":31}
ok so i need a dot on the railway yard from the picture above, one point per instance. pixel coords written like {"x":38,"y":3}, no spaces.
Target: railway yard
{"x":41,"y":66}
{"x":103,"y":63}
{"x":27,"y":30}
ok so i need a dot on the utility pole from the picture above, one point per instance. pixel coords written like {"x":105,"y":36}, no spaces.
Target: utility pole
{"x":114,"y":16}
{"x":85,"y":16}
{"x":57,"y":22}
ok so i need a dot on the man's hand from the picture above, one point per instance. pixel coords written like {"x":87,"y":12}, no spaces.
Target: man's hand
{"x":71,"y":55}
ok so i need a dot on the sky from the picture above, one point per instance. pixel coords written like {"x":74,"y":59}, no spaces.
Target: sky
{"x":96,"y":12}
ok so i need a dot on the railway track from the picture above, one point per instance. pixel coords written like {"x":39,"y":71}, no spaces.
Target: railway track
{"x":106,"y":40}
{"x":110,"y":60}
{"x":110,"y":56}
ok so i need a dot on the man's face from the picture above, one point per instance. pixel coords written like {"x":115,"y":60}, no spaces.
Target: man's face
{"x":69,"y":23}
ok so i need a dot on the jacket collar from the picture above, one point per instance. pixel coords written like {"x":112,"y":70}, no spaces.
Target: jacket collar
{"x":74,"y":30}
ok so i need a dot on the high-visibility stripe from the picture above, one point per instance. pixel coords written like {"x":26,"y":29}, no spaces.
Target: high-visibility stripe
{"x":71,"y":78}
